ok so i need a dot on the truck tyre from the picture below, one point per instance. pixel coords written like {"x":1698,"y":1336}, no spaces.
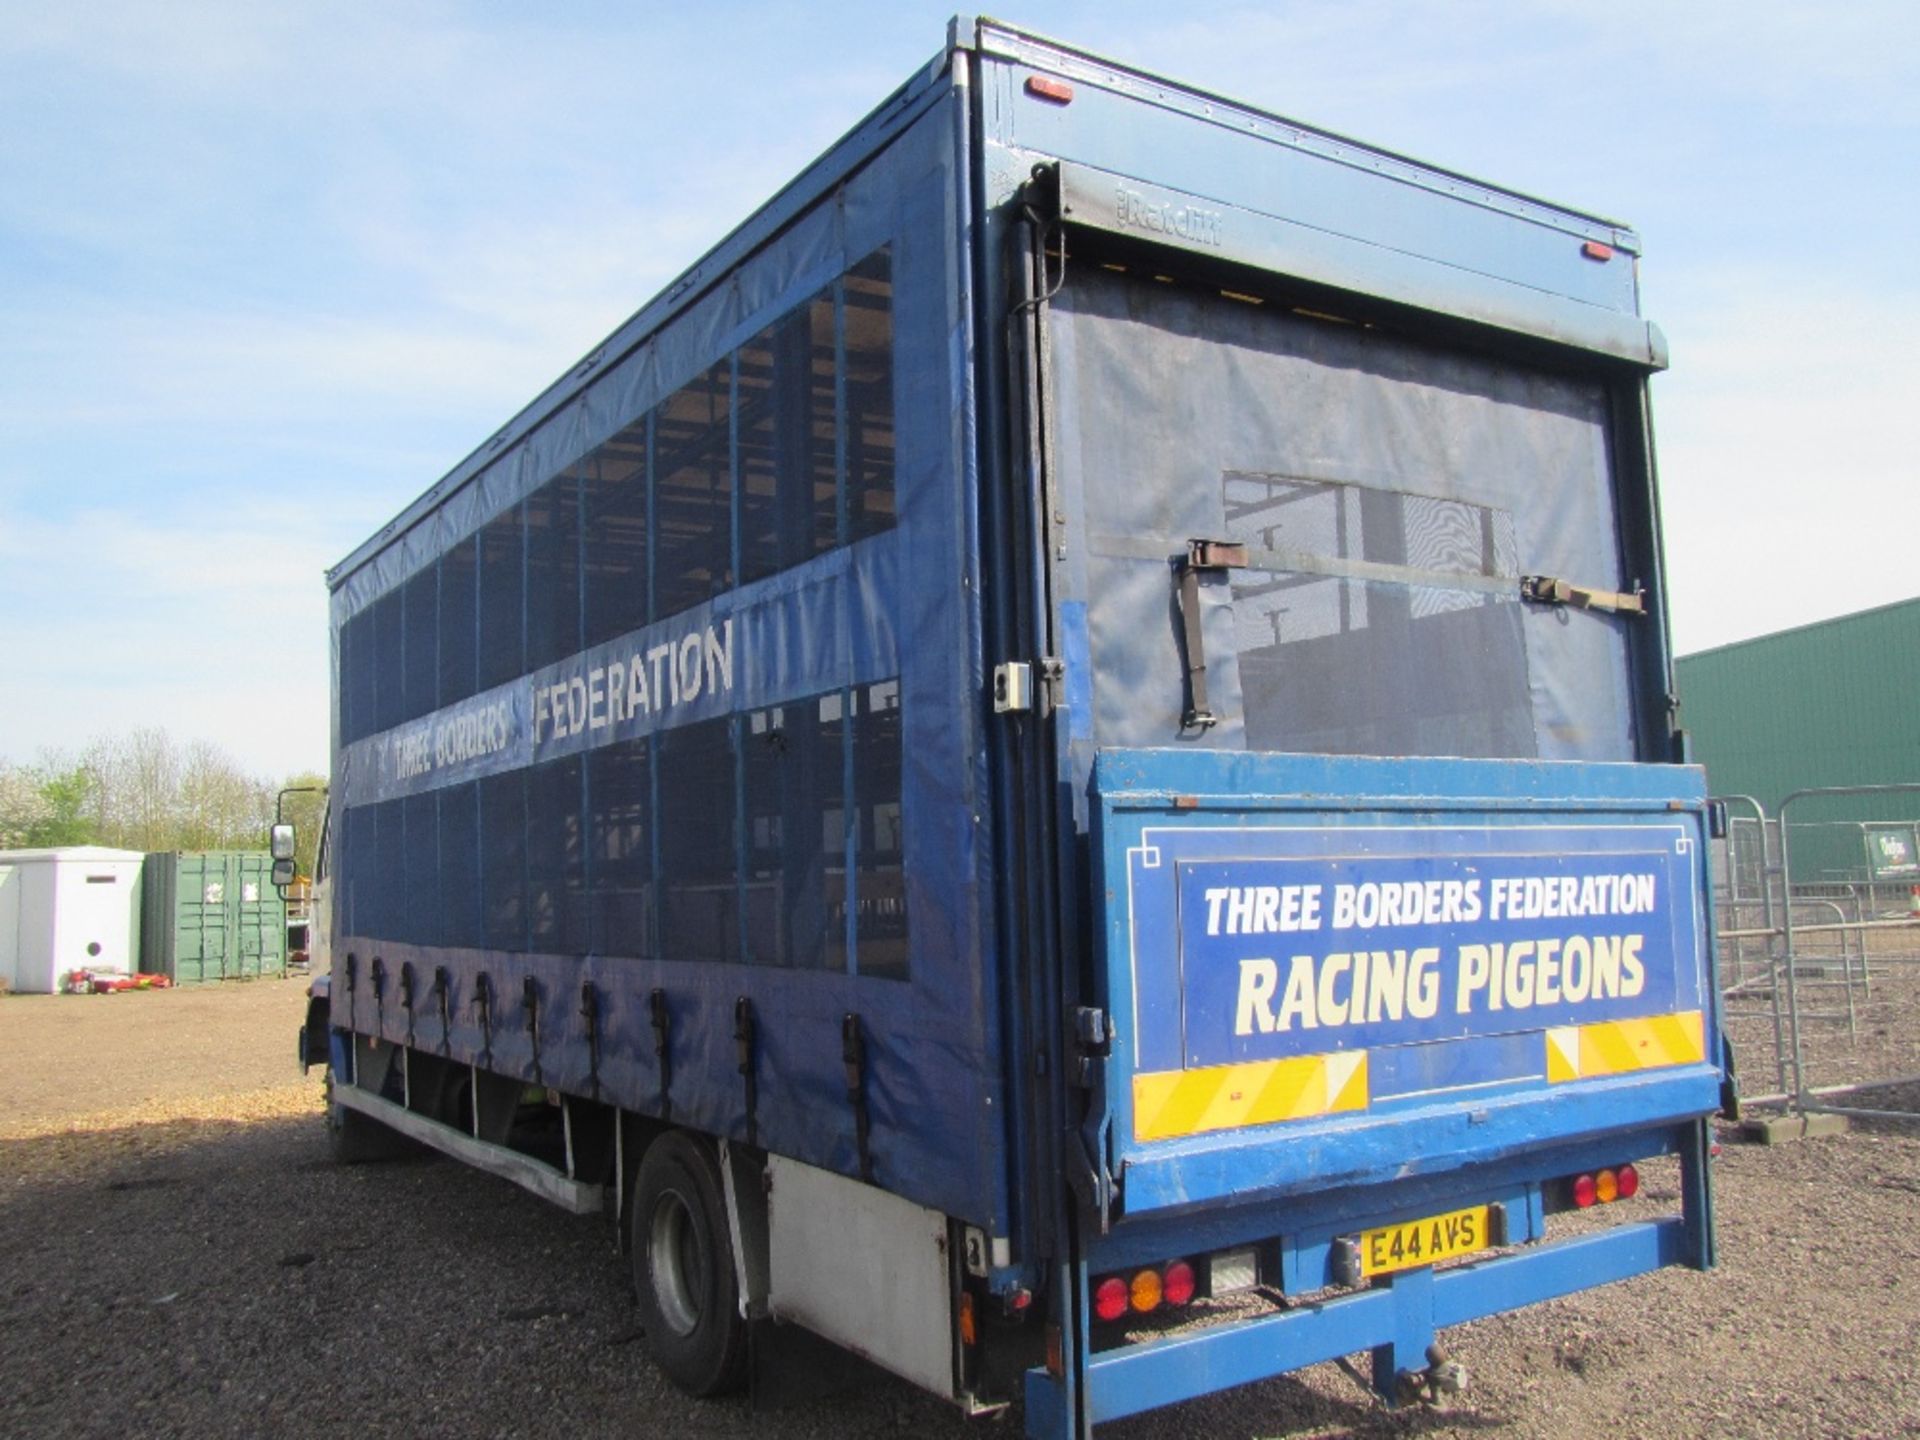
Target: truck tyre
{"x":683,"y":1267}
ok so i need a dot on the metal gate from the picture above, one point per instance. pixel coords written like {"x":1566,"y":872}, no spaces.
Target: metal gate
{"x":1820,"y":971}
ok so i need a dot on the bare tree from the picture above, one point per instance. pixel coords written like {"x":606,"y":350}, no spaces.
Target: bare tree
{"x":142,"y":772}
{"x":220,"y":807}
{"x":23,"y":808}
{"x":143,"y":791}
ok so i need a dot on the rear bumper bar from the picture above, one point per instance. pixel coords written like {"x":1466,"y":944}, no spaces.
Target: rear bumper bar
{"x":1396,"y":1320}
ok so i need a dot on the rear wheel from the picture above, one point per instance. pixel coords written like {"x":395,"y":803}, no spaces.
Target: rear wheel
{"x":683,"y":1267}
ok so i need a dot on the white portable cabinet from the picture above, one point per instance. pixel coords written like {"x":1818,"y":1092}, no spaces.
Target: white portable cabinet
{"x":67,"y":909}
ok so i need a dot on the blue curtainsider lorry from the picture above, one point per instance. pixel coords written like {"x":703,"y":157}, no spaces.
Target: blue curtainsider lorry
{"x":1058,"y":766}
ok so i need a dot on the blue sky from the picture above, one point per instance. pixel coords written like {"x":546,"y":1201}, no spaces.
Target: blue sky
{"x":268,"y":270}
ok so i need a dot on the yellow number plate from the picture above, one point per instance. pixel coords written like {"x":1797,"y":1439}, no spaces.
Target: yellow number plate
{"x":1422,"y":1242}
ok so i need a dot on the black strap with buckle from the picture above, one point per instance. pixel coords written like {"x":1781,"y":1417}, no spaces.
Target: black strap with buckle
{"x":1202,"y":557}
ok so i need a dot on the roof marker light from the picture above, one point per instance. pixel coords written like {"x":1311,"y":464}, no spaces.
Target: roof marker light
{"x":1594,"y":250}
{"x":1045,"y":87}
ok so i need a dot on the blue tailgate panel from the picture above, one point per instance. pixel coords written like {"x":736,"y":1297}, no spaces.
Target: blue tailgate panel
{"x":1332,"y":971}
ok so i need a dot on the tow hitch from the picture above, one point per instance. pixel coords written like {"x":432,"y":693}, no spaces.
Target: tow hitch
{"x":1443,"y":1378}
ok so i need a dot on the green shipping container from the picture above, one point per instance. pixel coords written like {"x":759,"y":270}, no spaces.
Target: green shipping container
{"x":212,"y":915}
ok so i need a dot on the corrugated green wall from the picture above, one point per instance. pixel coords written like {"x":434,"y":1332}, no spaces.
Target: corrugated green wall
{"x":1834,"y":703}
{"x":212,"y":915}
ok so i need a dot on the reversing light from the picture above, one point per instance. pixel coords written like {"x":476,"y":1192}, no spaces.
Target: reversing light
{"x":1145,"y":1291}
{"x":1177,"y":1285}
{"x":1584,"y":1193}
{"x":1628,"y":1179}
{"x":1232,"y":1270}
{"x":1110,"y":1298}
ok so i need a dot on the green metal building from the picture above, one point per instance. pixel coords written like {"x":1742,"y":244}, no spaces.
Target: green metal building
{"x":212,"y":915}
{"x":1832,"y":703}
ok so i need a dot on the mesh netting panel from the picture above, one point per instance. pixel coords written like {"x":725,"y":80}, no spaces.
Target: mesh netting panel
{"x":420,"y":646}
{"x":553,"y":571}
{"x":615,"y":505}
{"x":502,"y":600}
{"x":459,"y":575}
{"x":557,"y":921}
{"x":699,"y":913}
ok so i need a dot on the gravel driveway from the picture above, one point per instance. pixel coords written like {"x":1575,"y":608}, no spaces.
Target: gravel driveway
{"x":178,"y":1257}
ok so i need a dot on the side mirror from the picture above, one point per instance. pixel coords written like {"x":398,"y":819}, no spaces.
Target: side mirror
{"x":280,"y":846}
{"x":282,"y":874}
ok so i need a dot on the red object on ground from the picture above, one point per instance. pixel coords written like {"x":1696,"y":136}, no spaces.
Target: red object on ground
{"x":107,"y":982}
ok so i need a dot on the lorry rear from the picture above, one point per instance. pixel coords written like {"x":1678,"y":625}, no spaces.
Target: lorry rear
{"x":1360,"y":875}
{"x":1057,"y":766}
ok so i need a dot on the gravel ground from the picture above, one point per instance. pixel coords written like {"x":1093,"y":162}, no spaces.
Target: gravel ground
{"x":178,"y":1257}
{"x":64,"y":1055}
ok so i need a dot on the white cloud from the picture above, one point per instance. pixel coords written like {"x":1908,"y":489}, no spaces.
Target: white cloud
{"x":269,"y":270}
{"x":209,"y":623}
{"x":102,"y":365}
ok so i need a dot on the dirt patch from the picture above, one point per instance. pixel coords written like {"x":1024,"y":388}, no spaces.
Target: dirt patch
{"x":177,"y":1257}
{"x":64,"y":1058}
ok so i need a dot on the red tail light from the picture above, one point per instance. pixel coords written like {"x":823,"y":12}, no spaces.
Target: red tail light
{"x":1603,"y":1187}
{"x":1177,"y":1286}
{"x":1145,"y":1291}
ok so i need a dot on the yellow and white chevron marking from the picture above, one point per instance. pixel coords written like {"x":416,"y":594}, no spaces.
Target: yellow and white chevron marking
{"x":1563,"y":1054}
{"x":1618,"y":1047}
{"x":1228,"y":1097}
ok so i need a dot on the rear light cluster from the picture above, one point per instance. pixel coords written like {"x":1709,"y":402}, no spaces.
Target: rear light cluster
{"x":1144,"y":1291}
{"x":1603,"y":1187}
